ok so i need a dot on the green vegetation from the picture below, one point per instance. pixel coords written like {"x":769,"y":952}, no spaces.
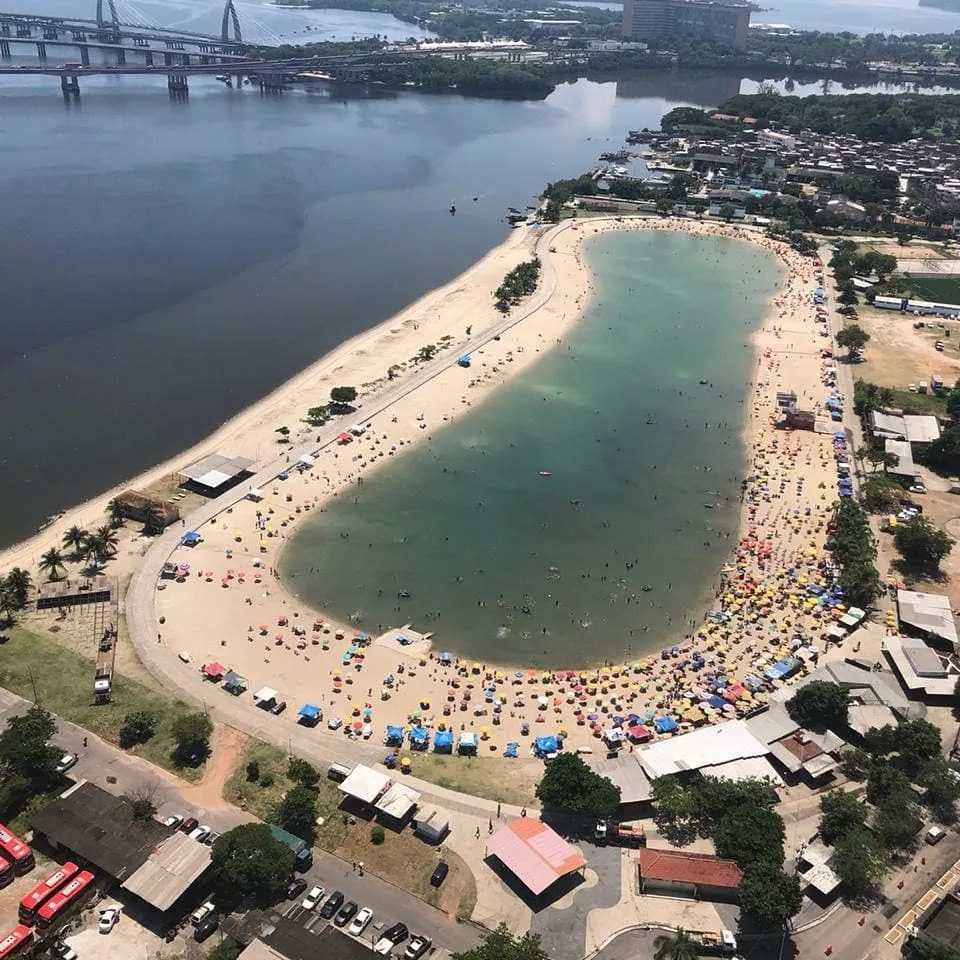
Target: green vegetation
{"x":14,"y":590}
{"x":840,"y":813}
{"x":853,"y":338}
{"x":377,"y":836}
{"x":249,"y":861}
{"x":917,"y":948}
{"x":675,"y":946}
{"x":226,"y":949}
{"x":192,"y":732}
{"x":297,"y":812}
{"x":478,"y":776}
{"x":820,"y":704}
{"x":302,"y":773}
{"x":922,"y":546}
{"x":342,"y":397}
{"x":520,"y":282}
{"x":568,"y":784}
{"x":854,"y":550}
{"x":501,"y":944}
{"x":137,"y":728}
{"x":25,"y":666}
{"x":27,"y":759}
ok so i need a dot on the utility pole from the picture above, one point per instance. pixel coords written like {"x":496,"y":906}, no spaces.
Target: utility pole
{"x":33,"y":683}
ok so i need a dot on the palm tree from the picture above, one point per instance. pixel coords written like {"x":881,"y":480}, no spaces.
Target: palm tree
{"x":52,"y":562}
{"x":74,"y":538}
{"x":16,"y":587}
{"x":152,"y":522}
{"x":116,"y":512}
{"x":674,"y":946}
{"x":109,"y":537}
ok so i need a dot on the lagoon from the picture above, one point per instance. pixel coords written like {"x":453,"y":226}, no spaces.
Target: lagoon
{"x":611,"y":555}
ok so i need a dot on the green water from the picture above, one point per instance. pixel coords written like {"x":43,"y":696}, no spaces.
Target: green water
{"x":508,"y":567}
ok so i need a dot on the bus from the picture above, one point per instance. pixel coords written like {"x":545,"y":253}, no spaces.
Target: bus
{"x":41,"y":893}
{"x":19,"y":938}
{"x":15,"y":851}
{"x":66,"y":897}
{"x":6,"y":872}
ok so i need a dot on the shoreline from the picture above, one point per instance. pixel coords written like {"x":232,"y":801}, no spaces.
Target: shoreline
{"x":196,"y":619}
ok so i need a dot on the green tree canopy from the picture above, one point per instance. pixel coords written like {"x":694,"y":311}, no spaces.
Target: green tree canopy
{"x":569,"y":784}
{"x":922,"y":545}
{"x":820,"y":704}
{"x":192,"y":732}
{"x":298,"y":812}
{"x":769,"y":895}
{"x":840,"y":813}
{"x":303,"y":773}
{"x":675,"y":946}
{"x":249,"y":860}
{"x":137,"y":727}
{"x":897,"y":821}
{"x":501,"y":944}
{"x":852,"y":337}
{"x":342,"y":396}
{"x":27,"y":759}
{"x":860,"y":861}
{"x":750,"y":834}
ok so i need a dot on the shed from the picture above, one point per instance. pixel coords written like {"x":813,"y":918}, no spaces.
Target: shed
{"x":398,"y":803}
{"x":169,"y":871}
{"x":534,"y":853}
{"x":929,"y":613}
{"x":364,"y":784}
{"x":430,"y":824}
{"x":700,"y":875}
{"x":213,"y":471}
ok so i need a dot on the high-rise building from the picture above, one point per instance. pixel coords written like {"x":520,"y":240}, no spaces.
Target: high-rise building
{"x":723,"y":22}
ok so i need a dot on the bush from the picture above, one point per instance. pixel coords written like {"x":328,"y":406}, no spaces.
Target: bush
{"x":377,"y":836}
{"x":137,"y":728}
{"x":267,"y":780}
{"x":253,"y":771}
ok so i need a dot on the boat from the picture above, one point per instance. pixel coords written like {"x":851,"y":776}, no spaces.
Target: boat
{"x":545,"y":473}
{"x":453,"y":209}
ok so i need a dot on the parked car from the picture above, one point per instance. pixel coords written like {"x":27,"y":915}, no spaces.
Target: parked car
{"x":312,"y":898}
{"x":333,"y":904}
{"x":205,"y":928}
{"x":390,"y":938}
{"x":935,"y":835}
{"x":66,"y":762}
{"x":189,"y":824}
{"x":198,"y":833}
{"x":173,"y":821}
{"x":211,"y":838}
{"x":360,"y":921}
{"x":109,"y":918}
{"x":334,"y":723}
{"x":417,"y":947}
{"x":345,"y":913}
{"x":296,"y":888}
{"x":202,"y":912}
{"x":439,"y":874}
{"x":64,"y":952}
{"x":278,"y":707}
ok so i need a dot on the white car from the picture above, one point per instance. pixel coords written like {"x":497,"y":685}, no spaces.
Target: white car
{"x":200,"y":832}
{"x":66,"y":762}
{"x":334,"y":723}
{"x":64,"y":952}
{"x":312,"y":898}
{"x":109,"y":918}
{"x":173,"y":821}
{"x":359,"y":923}
{"x":203,"y":911}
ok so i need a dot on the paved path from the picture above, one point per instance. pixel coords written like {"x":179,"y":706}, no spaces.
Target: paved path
{"x":139,"y":606}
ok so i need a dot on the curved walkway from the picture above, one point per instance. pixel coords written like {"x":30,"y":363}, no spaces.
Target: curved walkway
{"x":139,"y":605}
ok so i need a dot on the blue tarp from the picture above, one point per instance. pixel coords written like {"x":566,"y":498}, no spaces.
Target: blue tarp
{"x":443,"y":741}
{"x":309,"y":712}
{"x":419,"y":734}
{"x":511,"y":750}
{"x":394,"y":734}
{"x":782,"y":669}
{"x":190,"y":539}
{"x":665,"y":724}
{"x":547,"y":744}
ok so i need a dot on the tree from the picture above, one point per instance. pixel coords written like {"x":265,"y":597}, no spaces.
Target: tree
{"x":142,"y":806}
{"x":820,"y":704}
{"x":860,"y":861}
{"x":377,"y":836}
{"x":501,"y":944}
{"x":569,"y":784}
{"x":27,"y":759}
{"x":675,"y":946}
{"x":853,"y":337}
{"x":253,"y":771}
{"x":226,"y":949}
{"x":52,"y":563}
{"x":855,"y":763}
{"x":17,"y":585}
{"x":922,"y":545}
{"x":918,"y":948}
{"x":152,"y":521}
{"x":897,"y":821}
{"x":750,"y":834}
{"x":848,"y":297}
{"x":137,"y":727}
{"x":298,"y":812}
{"x":919,"y":741}
{"x":249,"y":861}
{"x":885,"y":781}
{"x":317,"y":415}
{"x":953,"y":402}
{"x":343,"y":396}
{"x":74,"y":538}
{"x":427,"y":352}
{"x":769,"y":895}
{"x":942,"y":790}
{"x":303,"y":773}
{"x":284,"y":434}
{"x":192,"y":731}
{"x":116,"y":513}
{"x":840,"y":812}
{"x":109,"y":537}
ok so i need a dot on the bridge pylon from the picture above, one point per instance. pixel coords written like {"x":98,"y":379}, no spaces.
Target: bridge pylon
{"x":229,"y":14}
{"x":114,"y":19}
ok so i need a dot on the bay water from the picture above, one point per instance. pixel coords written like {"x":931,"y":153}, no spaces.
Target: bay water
{"x":638,"y":416}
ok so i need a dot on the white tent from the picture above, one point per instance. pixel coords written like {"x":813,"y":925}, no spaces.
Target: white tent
{"x":308,"y":460}
{"x":265,"y":695}
{"x":364,"y":784}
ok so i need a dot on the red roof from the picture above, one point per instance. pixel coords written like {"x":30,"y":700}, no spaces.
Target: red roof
{"x":214,"y":669}
{"x":534,"y":853}
{"x":679,"y":867}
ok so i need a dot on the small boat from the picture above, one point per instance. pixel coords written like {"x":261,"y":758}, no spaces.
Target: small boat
{"x":453,"y":209}
{"x":545,"y":473}
{"x":646,"y":588}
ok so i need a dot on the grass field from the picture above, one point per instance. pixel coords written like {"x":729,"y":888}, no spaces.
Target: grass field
{"x":937,"y":289}
{"x":920,"y":403}
{"x":32,"y":666}
{"x":506,"y":781}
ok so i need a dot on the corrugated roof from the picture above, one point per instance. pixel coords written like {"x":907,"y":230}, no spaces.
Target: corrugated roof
{"x":169,"y":870}
{"x":398,"y":800}
{"x":364,"y":783}
{"x":921,"y":428}
{"x":534,"y":853}
{"x":701,"y":748}
{"x":929,"y":612}
{"x":901,"y":450}
{"x":677,"y":866}
{"x":216,"y":469}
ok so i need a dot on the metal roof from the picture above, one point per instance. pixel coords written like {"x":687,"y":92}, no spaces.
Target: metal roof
{"x":398,"y":801}
{"x":216,"y":469}
{"x":901,"y":450}
{"x":705,"y":747}
{"x":364,"y":783}
{"x":534,"y":853}
{"x":922,"y":428}
{"x":677,"y":866}
{"x":929,"y":612}
{"x":169,"y":871}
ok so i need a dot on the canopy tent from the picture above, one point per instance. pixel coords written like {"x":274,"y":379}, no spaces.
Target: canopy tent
{"x":446,"y":657}
{"x":443,"y":741}
{"x":307,"y":460}
{"x":419,"y":738}
{"x":468,"y":742}
{"x":613,"y":735}
{"x":546,"y":746}
{"x":254,"y":494}
{"x":640,"y":731}
{"x":665,"y":724}
{"x":310,"y":713}
{"x":233,"y":681}
{"x":265,"y":695}
{"x":217,"y":469}
{"x":393,"y":736}
{"x":190,"y":539}
{"x":534,"y":854}
{"x":214,"y":670}
{"x":364,"y":784}
{"x":783,"y":669}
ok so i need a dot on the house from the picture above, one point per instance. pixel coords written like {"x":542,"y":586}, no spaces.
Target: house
{"x":699,"y":876}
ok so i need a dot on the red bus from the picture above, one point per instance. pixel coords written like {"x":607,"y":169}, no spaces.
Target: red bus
{"x":41,"y":893}
{"x":16,"y":851}
{"x":68,"y":895}
{"x":15,"y":941}
{"x":6,"y":873}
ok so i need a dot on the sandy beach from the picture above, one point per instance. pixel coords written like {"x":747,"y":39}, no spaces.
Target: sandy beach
{"x":227,"y":606}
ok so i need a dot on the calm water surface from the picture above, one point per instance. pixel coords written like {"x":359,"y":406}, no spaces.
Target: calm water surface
{"x":607,"y":557}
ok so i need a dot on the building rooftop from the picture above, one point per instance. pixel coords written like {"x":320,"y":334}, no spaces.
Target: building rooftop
{"x":99,"y":828}
{"x":534,"y":853}
{"x":169,"y":870}
{"x":927,"y":612}
{"x":705,"y":747}
{"x":676,"y":866}
{"x":364,"y":784}
{"x":296,"y":942}
{"x":921,"y":669}
{"x":625,"y":771}
{"x":398,"y":801}
{"x":216,"y":469}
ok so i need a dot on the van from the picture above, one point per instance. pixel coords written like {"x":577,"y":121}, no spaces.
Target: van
{"x":935,"y":835}
{"x":338,"y":772}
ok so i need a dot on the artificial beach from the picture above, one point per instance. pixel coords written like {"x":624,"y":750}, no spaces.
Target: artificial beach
{"x":228,"y":609}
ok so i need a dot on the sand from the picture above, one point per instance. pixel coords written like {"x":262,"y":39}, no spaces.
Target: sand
{"x":229,"y":607}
